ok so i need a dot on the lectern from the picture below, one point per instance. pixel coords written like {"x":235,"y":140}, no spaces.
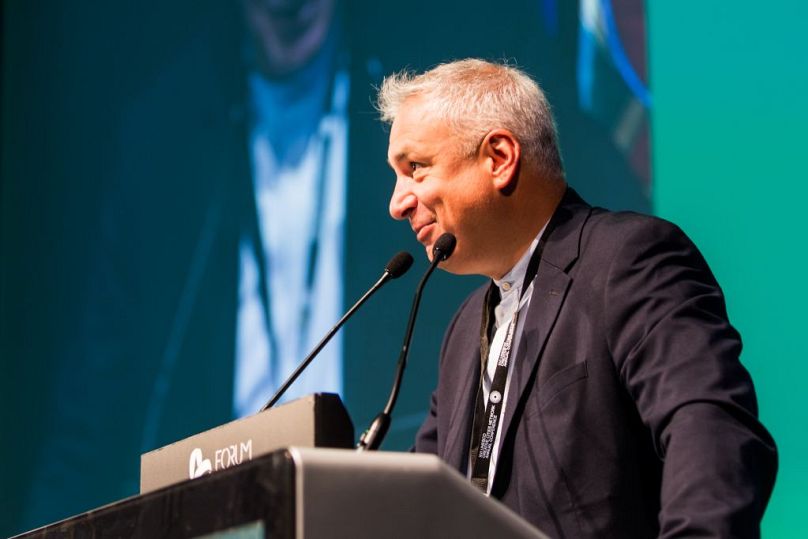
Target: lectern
{"x":247,"y":489}
{"x":308,"y":493}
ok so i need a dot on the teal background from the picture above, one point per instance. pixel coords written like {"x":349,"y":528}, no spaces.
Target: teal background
{"x":730,"y":85}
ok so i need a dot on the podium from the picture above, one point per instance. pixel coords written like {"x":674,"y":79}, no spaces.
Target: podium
{"x":305,"y":493}
{"x":233,"y":482}
{"x":318,"y":420}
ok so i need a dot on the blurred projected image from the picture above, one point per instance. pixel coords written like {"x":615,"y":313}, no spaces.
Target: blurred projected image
{"x":221,"y":259}
{"x":291,"y":257}
{"x":611,"y":77}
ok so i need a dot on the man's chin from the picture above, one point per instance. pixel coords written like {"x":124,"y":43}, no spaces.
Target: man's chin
{"x":451,"y":265}
{"x":428,"y":249}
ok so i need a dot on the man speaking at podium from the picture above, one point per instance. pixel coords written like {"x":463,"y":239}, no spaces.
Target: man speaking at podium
{"x":594,"y":385}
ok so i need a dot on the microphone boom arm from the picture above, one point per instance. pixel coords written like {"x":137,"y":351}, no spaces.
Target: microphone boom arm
{"x":372,"y":438}
{"x":395,"y":268}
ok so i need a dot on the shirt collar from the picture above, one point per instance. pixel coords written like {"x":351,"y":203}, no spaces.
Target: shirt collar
{"x":511,"y":282}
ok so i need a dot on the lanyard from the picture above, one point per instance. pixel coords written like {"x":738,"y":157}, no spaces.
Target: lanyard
{"x":487,"y":415}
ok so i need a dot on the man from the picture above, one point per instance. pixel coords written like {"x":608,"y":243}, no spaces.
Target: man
{"x":594,"y":386}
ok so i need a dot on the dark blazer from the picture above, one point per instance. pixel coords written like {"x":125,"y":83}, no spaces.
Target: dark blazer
{"x":629,"y":413}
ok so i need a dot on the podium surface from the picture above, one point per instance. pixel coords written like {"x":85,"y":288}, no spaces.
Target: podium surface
{"x":308,"y":493}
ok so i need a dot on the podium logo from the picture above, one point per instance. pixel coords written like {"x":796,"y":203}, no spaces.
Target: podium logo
{"x":198,"y":466}
{"x":233,"y":455}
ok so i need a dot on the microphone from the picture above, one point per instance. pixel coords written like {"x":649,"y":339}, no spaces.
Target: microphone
{"x":444,"y":247}
{"x":395,"y":268}
{"x":373,"y":436}
{"x":398,"y":265}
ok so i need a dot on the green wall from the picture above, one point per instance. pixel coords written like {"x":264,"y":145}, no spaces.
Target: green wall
{"x":730,"y":85}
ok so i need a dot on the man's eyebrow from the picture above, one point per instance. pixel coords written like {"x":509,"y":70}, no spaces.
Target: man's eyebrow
{"x":398,"y":157}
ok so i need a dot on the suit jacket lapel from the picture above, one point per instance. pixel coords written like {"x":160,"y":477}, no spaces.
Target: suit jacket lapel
{"x":465,"y":373}
{"x":550,"y":288}
{"x":457,"y":440}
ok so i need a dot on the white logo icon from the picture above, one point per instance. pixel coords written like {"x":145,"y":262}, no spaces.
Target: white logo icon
{"x":197,"y":466}
{"x":495,"y":397}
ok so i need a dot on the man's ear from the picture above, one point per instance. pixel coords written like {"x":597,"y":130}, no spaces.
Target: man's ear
{"x":502,"y":154}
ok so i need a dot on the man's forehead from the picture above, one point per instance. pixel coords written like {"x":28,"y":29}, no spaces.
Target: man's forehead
{"x":413,"y":113}
{"x":406,"y":144}
{"x":414,"y":129}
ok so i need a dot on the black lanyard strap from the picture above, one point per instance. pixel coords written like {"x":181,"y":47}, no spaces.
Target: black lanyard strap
{"x":487,"y":415}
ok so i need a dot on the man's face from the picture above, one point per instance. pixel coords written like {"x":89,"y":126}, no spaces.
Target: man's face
{"x":438,"y":189}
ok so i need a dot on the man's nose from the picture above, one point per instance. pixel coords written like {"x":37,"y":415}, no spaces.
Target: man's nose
{"x":403,"y":202}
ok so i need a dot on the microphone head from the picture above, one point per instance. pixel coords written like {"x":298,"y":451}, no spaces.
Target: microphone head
{"x":399,"y":264}
{"x":444,"y":247}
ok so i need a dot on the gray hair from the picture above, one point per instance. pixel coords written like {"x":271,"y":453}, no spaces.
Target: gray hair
{"x":475,"y":96}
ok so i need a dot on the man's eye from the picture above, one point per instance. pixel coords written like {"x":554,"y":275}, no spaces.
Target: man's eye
{"x":415,"y":165}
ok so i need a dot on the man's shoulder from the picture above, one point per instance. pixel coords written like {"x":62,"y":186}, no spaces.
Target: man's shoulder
{"x":628,"y":229}
{"x":583,"y":229}
{"x":607,"y":222}
{"x":633,"y":244}
{"x":591,"y":240}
